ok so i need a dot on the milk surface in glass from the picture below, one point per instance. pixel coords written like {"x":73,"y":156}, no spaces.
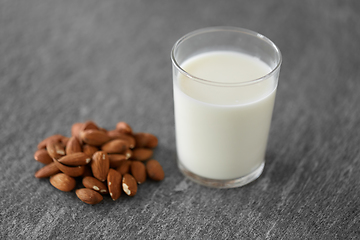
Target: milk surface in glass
{"x":222,"y":131}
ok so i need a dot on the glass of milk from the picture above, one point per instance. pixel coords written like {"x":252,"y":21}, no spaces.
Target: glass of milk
{"x":224,"y":83}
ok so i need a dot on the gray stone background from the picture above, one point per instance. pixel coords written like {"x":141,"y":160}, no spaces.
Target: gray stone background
{"x":68,"y":61}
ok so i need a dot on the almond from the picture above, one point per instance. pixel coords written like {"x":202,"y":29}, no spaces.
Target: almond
{"x":76,"y":128}
{"x":124,"y":167}
{"x":89,"y":150}
{"x":93,"y":183}
{"x":129,"y":185}
{"x":71,"y":171}
{"x":115,"y":146}
{"x":88,"y":196}
{"x":123,"y":127}
{"x":73,"y":146}
{"x":63,"y":182}
{"x":75,"y":159}
{"x":55,"y":149}
{"x":141,"y":154}
{"x":116,"y":159}
{"x":53,"y":138}
{"x":100,"y":165}
{"x":114,"y":184}
{"x":41,"y":155}
{"x":94,"y":137}
{"x":145,"y":140}
{"x":47,"y":171}
{"x":154,"y":170}
{"x":115,"y":134}
{"x":138,"y":171}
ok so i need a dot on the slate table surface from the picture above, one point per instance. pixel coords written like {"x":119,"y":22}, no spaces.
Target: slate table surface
{"x":70,"y":61}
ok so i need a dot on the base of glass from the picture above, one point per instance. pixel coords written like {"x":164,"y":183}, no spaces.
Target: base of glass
{"x":216,"y":183}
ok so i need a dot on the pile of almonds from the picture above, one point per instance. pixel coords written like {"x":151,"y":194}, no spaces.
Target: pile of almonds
{"x":106,"y":161}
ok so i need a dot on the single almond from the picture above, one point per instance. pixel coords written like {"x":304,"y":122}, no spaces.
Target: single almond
{"x":53,"y":138}
{"x":129,"y":185}
{"x":63,"y":182}
{"x":115,"y":146}
{"x":75,"y":159}
{"x":55,"y":149}
{"x":124,"y":167}
{"x":89,"y":150}
{"x":138,"y":171}
{"x":94,"y":137}
{"x":154,"y":170}
{"x":123,"y":127}
{"x":114,"y":184}
{"x":89,"y":196}
{"x":41,"y":155}
{"x":141,"y":154}
{"x":116,"y":159}
{"x":95,"y":184}
{"x":73,"y":146}
{"x":116,"y":134}
{"x":100,"y":165}
{"x":145,"y":140}
{"x":76,"y":128}
{"x":47,"y":171}
{"x":71,"y":171}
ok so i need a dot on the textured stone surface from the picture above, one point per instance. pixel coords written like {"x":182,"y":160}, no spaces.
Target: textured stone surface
{"x":67,"y":61}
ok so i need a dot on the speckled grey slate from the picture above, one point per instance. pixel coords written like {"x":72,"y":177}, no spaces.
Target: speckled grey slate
{"x":67,"y":61}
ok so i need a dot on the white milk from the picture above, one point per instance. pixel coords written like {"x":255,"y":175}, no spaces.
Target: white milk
{"x":221,"y":132}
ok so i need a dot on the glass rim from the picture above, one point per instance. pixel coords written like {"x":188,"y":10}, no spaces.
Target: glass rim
{"x":227,"y":29}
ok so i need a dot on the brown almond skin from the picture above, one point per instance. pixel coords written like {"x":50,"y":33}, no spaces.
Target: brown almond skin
{"x":76,"y":128}
{"x":47,"y":171}
{"x":124,"y":167}
{"x":100,"y":165}
{"x":52,"y":138}
{"x":94,"y":184}
{"x":75,"y":159}
{"x":123,"y":127}
{"x":89,"y":125}
{"x":145,"y":140}
{"x":116,"y":134}
{"x":89,"y":196}
{"x":73,"y":146}
{"x":114,"y":183}
{"x":71,"y":171}
{"x":41,"y":155}
{"x":141,"y":154}
{"x":116,"y":159}
{"x":115,"y":146}
{"x":129,"y":185}
{"x":65,"y":141}
{"x":138,"y":171}
{"x":55,"y":149}
{"x":154,"y":170}
{"x":63,"y":182}
{"x":89,"y":150}
{"x":94,"y":137}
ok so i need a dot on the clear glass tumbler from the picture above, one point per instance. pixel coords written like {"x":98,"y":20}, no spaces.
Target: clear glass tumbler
{"x":224,"y":83}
